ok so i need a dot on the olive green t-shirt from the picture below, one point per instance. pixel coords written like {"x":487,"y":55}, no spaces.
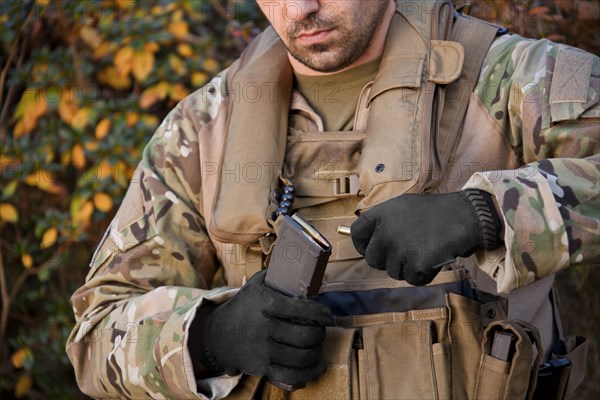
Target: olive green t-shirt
{"x":334,"y":97}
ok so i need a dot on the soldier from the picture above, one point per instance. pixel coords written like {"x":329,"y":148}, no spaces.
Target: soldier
{"x":372,"y":107}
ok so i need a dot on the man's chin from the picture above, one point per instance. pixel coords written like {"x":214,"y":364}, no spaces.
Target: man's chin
{"x":326,"y":62}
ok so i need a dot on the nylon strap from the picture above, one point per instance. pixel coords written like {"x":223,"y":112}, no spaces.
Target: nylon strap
{"x":574,"y":348}
{"x":476,"y":37}
{"x":253,"y":256}
{"x":343,"y":186}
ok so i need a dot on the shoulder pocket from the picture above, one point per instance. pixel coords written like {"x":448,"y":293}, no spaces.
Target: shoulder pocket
{"x":575,"y":84}
{"x":133,"y":224}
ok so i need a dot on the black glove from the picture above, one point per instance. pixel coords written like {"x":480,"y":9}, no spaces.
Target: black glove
{"x":413,"y":235}
{"x":262,"y":332}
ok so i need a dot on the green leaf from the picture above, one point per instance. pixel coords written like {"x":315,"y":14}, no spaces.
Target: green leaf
{"x":44,"y":275}
{"x":10,"y":189}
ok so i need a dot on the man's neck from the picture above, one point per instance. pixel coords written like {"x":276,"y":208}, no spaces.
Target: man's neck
{"x":374,"y":50}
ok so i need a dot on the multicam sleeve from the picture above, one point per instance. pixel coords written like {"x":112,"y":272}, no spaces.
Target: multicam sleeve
{"x":545,"y":96}
{"x":150,"y":273}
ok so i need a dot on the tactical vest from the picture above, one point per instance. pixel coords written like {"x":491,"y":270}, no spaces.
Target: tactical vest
{"x":406,"y":130}
{"x":407,"y":145}
{"x":403,"y":139}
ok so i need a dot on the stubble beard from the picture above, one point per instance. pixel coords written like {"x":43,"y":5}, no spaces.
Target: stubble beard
{"x":334,"y":55}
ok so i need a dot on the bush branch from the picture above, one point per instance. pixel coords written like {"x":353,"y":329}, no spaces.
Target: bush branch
{"x":5,"y":306}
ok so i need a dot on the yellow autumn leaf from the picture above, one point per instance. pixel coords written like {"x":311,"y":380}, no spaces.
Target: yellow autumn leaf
{"x":67,"y":107}
{"x":131,"y":118}
{"x":42,"y":2}
{"x":70,"y":92}
{"x":78,"y":156}
{"x":8,"y":213}
{"x":27,"y":260}
{"x":124,"y":4}
{"x":19,"y":129}
{"x":102,"y":128}
{"x":110,"y":77}
{"x":148,"y":97}
{"x":185,"y":50}
{"x":65,"y":158}
{"x":23,"y":386}
{"x":178,"y":92}
{"x":179,"y":29}
{"x":51,"y":187}
{"x":124,"y":60}
{"x":103,"y":169}
{"x":199,"y":79}
{"x":157,"y":10}
{"x":135,"y":153}
{"x":81,"y":118}
{"x":33,"y":104}
{"x":91,"y":146}
{"x":152,"y":47}
{"x":177,"y":65}
{"x":150,"y":120}
{"x":121,"y":172}
{"x":154,"y":93}
{"x":130,"y":169}
{"x":104,"y":49}
{"x":211,"y":65}
{"x":18,"y":357}
{"x":84,"y":214}
{"x":75,"y":207}
{"x":103,"y":202}
{"x":48,"y":154}
{"x":27,"y":97}
{"x":44,"y":180}
{"x":6,"y":160}
{"x":49,"y":238}
{"x":90,"y":36}
{"x":143,"y":64}
{"x":33,"y":179}
{"x":177,"y":16}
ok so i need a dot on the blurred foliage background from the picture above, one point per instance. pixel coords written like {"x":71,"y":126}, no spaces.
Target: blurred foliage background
{"x":83,"y":85}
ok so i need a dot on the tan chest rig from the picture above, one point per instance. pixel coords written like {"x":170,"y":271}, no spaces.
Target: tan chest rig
{"x":396,"y":147}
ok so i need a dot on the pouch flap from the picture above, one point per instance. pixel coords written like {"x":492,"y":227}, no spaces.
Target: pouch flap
{"x":335,"y":382}
{"x":445,"y":61}
{"x":407,"y":71}
{"x":523,"y":363}
{"x":394,"y":347}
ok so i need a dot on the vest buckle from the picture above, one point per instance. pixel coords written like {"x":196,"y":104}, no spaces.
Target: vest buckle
{"x":346,"y":186}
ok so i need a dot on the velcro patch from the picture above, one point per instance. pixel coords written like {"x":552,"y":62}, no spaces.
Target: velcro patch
{"x":571,"y":77}
{"x":445,"y":61}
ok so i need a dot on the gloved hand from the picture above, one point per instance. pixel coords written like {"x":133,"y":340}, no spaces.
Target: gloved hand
{"x":413,"y":235}
{"x":262,"y":332}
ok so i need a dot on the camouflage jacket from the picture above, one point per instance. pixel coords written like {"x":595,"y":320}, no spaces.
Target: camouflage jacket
{"x":530,"y":139}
